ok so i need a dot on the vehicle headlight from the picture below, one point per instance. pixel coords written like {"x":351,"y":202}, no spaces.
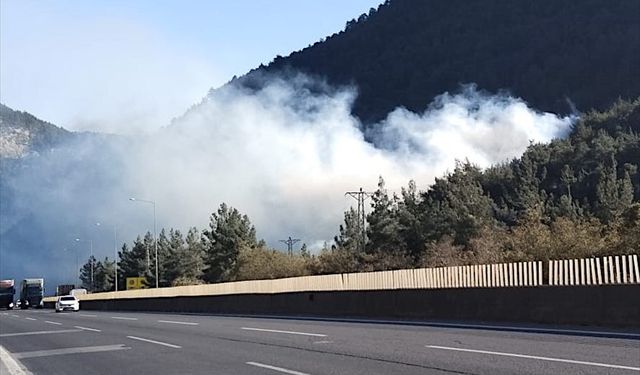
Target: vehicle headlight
{"x":26,"y":302}
{"x":10,"y":304}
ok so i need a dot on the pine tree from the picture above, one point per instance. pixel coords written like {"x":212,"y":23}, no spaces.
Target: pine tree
{"x":133,"y":262}
{"x":409,"y":221}
{"x":384,"y":228}
{"x":350,"y":236}
{"x":187,"y":259}
{"x":104,"y":275}
{"x":228,"y":232}
{"x":86,"y":271}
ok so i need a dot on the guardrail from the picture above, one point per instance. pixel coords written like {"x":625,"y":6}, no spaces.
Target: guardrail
{"x":619,"y":269}
{"x":590,"y":271}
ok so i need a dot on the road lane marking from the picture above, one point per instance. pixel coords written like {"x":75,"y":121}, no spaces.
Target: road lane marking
{"x":423,"y":323}
{"x":274,"y":368}
{"x":38,"y":332}
{"x":155,"y":342}
{"x":287,"y":332}
{"x":88,"y":315}
{"x":31,"y":318}
{"x":536,"y":357}
{"x":15,"y":316}
{"x":175,"y":322}
{"x":123,"y":318}
{"x":88,"y":329}
{"x":82,"y":349}
{"x":50,"y":322}
{"x":13,"y":366}
{"x":323,"y":342}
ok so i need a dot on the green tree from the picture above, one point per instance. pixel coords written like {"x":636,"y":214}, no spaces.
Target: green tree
{"x":350,"y":236}
{"x":104,"y":275}
{"x":133,"y":261}
{"x":187,"y":258}
{"x":384,"y":228}
{"x":228,"y":232}
{"x":456,"y":206}
{"x":87,"y":271}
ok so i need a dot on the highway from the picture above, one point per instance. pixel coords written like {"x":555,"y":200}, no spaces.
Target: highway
{"x":101,"y":342}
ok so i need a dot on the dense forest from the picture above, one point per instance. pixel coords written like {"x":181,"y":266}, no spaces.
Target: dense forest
{"x":574,"y":197}
{"x":558,"y":55}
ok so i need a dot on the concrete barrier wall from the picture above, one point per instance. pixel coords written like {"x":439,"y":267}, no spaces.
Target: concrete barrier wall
{"x":614,"y":270}
{"x":606,"y":305}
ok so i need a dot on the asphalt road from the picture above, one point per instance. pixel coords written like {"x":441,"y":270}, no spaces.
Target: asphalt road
{"x":94,"y":342}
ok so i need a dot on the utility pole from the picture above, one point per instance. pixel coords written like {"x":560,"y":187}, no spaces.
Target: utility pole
{"x":290,"y":242}
{"x":361,"y":196}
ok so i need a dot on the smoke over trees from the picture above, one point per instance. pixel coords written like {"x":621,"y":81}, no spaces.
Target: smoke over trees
{"x":574,"y":197}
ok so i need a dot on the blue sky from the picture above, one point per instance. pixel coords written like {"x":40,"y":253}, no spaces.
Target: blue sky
{"x":131,"y":66}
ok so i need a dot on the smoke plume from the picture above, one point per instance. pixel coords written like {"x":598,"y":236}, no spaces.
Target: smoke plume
{"x":284,"y":154}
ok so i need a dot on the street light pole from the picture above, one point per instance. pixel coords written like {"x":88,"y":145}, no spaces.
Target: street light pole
{"x":155,"y":242}
{"x":115,"y":256}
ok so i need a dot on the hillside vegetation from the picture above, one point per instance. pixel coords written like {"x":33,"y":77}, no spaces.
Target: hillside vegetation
{"x":555,"y":54}
{"x":574,"y":197}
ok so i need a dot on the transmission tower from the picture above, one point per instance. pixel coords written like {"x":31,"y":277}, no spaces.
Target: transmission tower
{"x":290,"y":242}
{"x":361,"y":196}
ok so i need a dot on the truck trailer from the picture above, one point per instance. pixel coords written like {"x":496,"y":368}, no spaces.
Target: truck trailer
{"x":31,"y":293}
{"x":7,"y":292}
{"x":64,"y":289}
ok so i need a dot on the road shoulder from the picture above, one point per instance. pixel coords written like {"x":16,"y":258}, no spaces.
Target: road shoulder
{"x":9,"y":365}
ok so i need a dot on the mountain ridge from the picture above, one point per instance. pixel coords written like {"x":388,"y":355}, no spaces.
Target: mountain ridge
{"x":558,"y":56}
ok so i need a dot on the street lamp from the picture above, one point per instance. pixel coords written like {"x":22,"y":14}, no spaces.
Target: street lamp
{"x":155,"y":242}
{"x":90,"y":259}
{"x":115,"y":255}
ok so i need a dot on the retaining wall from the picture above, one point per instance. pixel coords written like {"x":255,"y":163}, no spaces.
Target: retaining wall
{"x":602,"y":305}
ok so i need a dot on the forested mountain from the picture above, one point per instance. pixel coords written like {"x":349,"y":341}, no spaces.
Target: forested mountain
{"x":555,"y":54}
{"x":22,"y":133}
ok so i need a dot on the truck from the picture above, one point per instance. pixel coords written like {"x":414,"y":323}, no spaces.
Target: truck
{"x":64,"y":289}
{"x":77,"y":292}
{"x":7,"y":291}
{"x":31,"y":293}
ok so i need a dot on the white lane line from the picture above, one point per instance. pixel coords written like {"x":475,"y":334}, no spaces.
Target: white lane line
{"x":88,"y":329}
{"x":537,"y":357}
{"x":287,"y":332}
{"x":155,"y":342}
{"x":15,"y":316}
{"x":14,"y":367}
{"x":38,"y":332}
{"x":88,"y":315}
{"x":123,"y":318}
{"x":50,"y":322}
{"x":31,"y":318}
{"x":274,"y":368}
{"x":82,"y":349}
{"x":424,"y":323}
{"x":533,"y":329}
{"x":176,"y":322}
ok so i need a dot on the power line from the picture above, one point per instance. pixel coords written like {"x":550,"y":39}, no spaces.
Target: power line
{"x":361,"y":196}
{"x":290,"y":242}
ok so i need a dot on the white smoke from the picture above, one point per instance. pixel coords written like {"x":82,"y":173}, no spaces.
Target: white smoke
{"x":286,"y":155}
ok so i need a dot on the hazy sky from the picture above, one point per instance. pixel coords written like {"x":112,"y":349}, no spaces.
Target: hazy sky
{"x":129,"y":66}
